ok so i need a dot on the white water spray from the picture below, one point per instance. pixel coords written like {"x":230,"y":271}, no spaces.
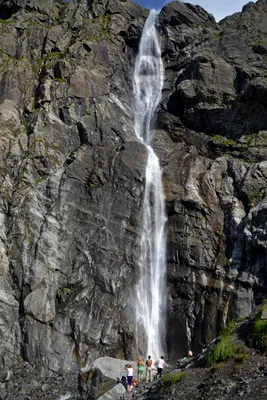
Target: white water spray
{"x":151,"y":287}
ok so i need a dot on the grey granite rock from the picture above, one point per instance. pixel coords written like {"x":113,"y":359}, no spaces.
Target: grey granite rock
{"x":72,"y":176}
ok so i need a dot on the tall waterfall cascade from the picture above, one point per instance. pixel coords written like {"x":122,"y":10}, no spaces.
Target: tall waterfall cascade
{"x":151,"y":287}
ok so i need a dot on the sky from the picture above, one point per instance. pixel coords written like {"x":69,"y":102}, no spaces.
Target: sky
{"x":218,"y":8}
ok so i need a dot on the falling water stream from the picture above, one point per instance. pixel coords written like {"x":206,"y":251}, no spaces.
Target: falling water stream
{"x":151,"y":287}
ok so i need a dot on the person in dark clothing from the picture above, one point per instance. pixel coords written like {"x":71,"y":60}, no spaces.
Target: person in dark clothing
{"x":160,"y":365}
{"x":124,"y":381}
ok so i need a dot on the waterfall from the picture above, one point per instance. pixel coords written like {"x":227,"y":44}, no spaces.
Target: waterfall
{"x":151,"y":286}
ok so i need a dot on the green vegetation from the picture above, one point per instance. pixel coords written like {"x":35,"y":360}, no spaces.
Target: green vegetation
{"x":228,"y":142}
{"x":229,"y":329}
{"x":244,"y":143}
{"x":216,"y":137}
{"x":102,"y":29}
{"x":263,"y":135}
{"x":30,"y":238}
{"x":258,"y":338}
{"x":93,"y":185}
{"x":218,"y":36}
{"x":226,"y":349}
{"x":60,"y":80}
{"x":4,"y":23}
{"x":198,"y":26}
{"x":40,"y":180}
{"x":171,"y":379}
{"x":223,"y":141}
{"x":104,"y":21}
{"x":241,"y":358}
{"x":254,"y":196}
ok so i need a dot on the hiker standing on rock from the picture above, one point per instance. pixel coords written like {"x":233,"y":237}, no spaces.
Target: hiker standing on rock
{"x":130,"y":372}
{"x":149,"y":369}
{"x":160,"y":365}
{"x":140,"y":368}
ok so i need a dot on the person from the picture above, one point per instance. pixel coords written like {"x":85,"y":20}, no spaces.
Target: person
{"x":148,"y":369}
{"x":140,"y":369}
{"x":130,"y":372}
{"x":124,"y":381}
{"x":160,"y":365}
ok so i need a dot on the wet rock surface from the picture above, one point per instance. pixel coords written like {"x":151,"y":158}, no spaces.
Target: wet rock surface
{"x":72,"y":178}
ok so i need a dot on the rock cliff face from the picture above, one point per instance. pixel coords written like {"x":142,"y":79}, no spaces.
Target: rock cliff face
{"x":72,"y":175}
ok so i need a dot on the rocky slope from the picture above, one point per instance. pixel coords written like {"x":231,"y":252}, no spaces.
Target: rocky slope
{"x":230,"y":381}
{"x":236,"y":370}
{"x":72,"y":176}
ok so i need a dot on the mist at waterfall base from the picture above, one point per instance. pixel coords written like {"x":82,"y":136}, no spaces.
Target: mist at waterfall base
{"x":151,"y":286}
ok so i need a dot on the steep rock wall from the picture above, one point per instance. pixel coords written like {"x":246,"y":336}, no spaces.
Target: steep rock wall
{"x":72,"y":176}
{"x":214,"y":108}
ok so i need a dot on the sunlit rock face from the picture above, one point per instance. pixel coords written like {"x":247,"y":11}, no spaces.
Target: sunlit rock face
{"x":73,"y":173}
{"x":214,"y":110}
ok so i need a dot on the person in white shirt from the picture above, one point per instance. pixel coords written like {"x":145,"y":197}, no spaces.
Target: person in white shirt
{"x":160,"y":365}
{"x":130,"y":372}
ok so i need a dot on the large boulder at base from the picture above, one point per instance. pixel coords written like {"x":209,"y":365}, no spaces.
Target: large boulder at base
{"x":93,"y":383}
{"x":115,"y":393}
{"x":112,"y":367}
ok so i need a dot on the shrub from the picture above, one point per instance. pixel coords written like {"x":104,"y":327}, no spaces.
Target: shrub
{"x":261,"y":308}
{"x":229,"y":329}
{"x":258,"y":338}
{"x":224,"y":350}
{"x":171,"y":379}
{"x":241,"y":358}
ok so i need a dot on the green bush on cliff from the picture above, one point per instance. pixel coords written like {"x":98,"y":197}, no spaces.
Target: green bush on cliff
{"x":223,"y":141}
{"x":226,"y":349}
{"x":258,"y":338}
{"x":229,"y":329}
{"x":171,"y":379}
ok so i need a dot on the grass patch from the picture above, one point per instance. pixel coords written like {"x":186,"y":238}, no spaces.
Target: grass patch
{"x":241,"y":358}
{"x":228,"y":142}
{"x":171,"y":379}
{"x":226,"y":349}
{"x":229,"y":329}
{"x":216,"y":137}
{"x":258,"y":337}
{"x":223,"y":141}
{"x":254,"y":196}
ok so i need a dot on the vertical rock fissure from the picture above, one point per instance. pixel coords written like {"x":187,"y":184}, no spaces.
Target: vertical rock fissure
{"x":151,"y":287}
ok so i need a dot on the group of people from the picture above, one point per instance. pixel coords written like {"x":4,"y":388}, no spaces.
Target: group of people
{"x":144,"y":371}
